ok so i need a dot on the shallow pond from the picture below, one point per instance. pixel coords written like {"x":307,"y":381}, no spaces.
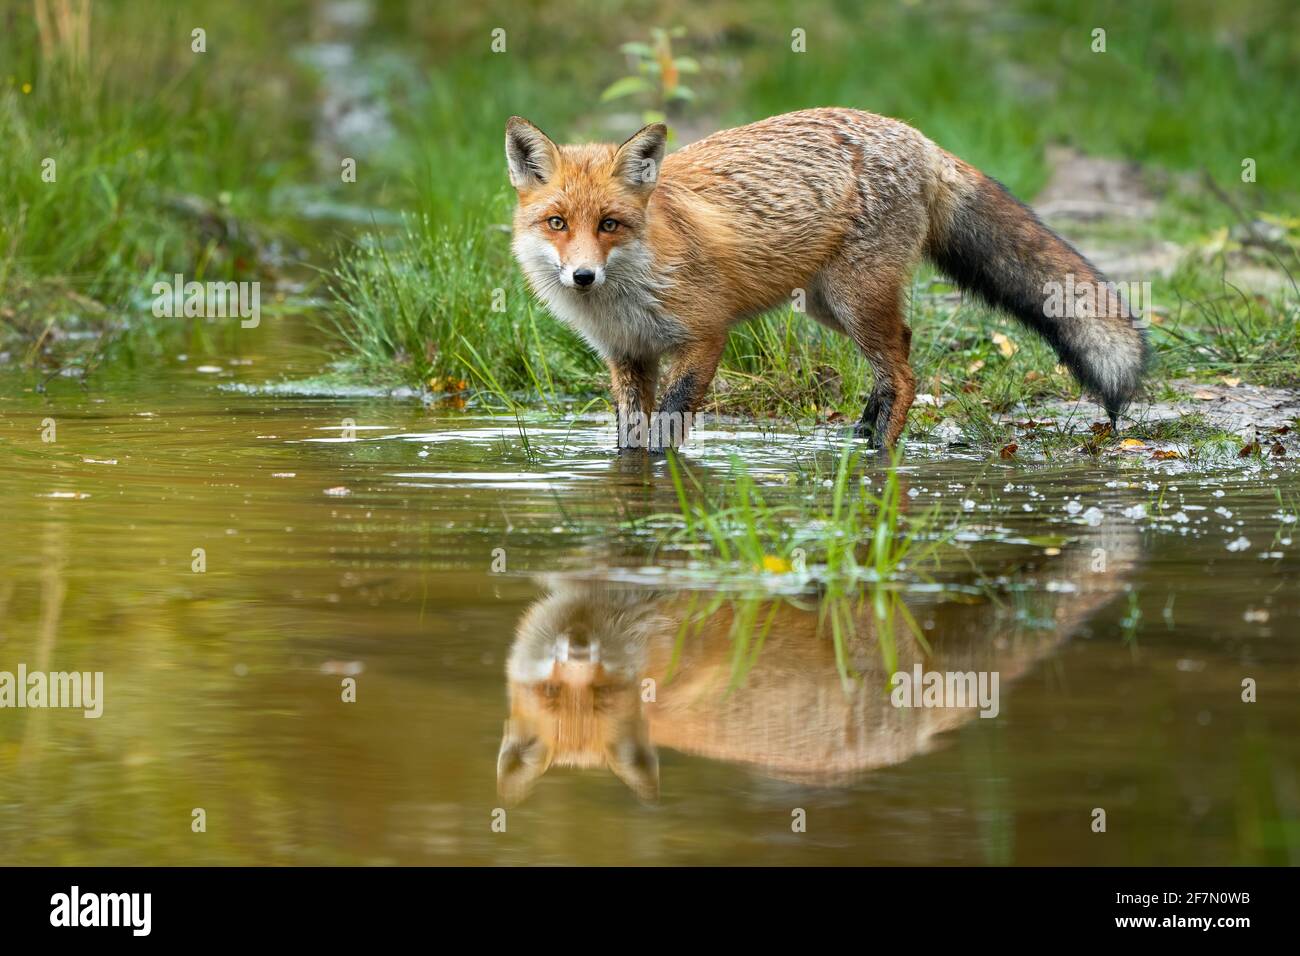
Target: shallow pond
{"x":416,"y":552}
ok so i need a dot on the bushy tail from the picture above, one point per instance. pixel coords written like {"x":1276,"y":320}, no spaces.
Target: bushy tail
{"x":993,"y":245}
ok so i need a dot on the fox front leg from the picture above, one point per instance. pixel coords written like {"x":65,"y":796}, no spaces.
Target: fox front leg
{"x":688,"y":383}
{"x":633,"y":384}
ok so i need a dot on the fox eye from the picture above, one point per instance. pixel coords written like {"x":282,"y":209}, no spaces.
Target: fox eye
{"x":608,"y":225}
{"x":551,"y":691}
{"x":556,"y":223}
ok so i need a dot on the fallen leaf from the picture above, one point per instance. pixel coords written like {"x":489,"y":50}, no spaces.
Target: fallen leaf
{"x":1008,"y":451}
{"x":448,"y":384}
{"x":1248,"y":450}
{"x":1163,"y":454}
{"x":1277,"y":451}
{"x":1132,"y":443}
{"x":1230,"y":382}
{"x":1005,"y":345}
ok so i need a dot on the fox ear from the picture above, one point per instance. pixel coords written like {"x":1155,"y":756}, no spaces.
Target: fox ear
{"x":634,"y":761}
{"x":530,"y":155}
{"x":637,"y":161}
{"x":523,"y":758}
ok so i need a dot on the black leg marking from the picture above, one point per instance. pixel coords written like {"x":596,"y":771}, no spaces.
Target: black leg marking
{"x":678,"y":397}
{"x":674,"y":414}
{"x":875,"y":417}
{"x":866,"y":425}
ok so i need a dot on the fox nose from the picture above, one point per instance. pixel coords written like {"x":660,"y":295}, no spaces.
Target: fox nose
{"x":577,"y":648}
{"x":584,"y":650}
{"x":584,"y":277}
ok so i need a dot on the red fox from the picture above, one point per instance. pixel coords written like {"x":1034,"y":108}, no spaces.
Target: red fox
{"x":586,"y":654}
{"x":647,"y":255}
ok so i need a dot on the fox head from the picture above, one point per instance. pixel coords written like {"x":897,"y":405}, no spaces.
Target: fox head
{"x":582,"y":209}
{"x":573,"y":675}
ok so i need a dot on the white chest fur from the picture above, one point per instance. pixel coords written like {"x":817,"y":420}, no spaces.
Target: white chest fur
{"x":623,"y":317}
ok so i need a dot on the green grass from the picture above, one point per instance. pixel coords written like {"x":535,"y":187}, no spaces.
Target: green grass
{"x":165,"y":160}
{"x":453,"y":308}
{"x":843,"y":530}
{"x":1217,"y":328}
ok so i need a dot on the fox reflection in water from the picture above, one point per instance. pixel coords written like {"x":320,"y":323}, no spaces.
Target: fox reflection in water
{"x":603,"y":675}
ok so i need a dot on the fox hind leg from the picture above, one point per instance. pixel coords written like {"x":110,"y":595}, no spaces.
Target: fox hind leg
{"x":885,"y":414}
{"x":870,"y":310}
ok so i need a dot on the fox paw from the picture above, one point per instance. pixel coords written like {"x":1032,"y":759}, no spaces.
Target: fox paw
{"x":868,"y":426}
{"x":868,"y":431}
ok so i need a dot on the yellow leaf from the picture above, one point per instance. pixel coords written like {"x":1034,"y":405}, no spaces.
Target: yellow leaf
{"x":774,"y":565}
{"x":1132,"y":443}
{"x":1005,"y":345}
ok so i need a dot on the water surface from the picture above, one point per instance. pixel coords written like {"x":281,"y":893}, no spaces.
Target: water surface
{"x":364,"y":537}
